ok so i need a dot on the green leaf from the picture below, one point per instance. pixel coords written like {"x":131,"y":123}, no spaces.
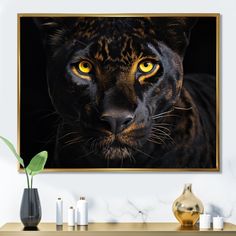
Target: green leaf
{"x":37,"y":163}
{"x":11,"y":147}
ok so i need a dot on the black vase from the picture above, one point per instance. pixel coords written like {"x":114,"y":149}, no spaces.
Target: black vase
{"x":30,"y":211}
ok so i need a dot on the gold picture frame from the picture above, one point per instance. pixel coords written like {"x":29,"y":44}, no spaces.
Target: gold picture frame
{"x":217,"y":17}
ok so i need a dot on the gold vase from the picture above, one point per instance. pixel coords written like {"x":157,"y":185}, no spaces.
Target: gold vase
{"x":187,"y":208}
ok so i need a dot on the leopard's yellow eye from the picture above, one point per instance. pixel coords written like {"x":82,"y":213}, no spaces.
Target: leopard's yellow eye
{"x":146,"y":66}
{"x":85,"y":67}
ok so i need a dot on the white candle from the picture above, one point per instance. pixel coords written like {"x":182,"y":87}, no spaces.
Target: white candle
{"x":82,"y":212}
{"x":205,"y":221}
{"x":59,"y":212}
{"x":218,"y":223}
{"x":71,"y":216}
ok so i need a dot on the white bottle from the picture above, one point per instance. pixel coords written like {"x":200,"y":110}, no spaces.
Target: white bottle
{"x":82,"y":211}
{"x":59,"y":212}
{"x":71,"y":216}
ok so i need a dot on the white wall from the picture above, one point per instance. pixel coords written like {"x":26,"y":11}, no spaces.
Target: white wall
{"x":118,"y":196}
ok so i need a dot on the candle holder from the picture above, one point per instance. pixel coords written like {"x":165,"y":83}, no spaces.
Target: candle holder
{"x":205,"y":222}
{"x":218,"y":223}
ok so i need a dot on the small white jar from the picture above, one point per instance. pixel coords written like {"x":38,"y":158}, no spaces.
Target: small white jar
{"x":205,"y":221}
{"x":218,"y":223}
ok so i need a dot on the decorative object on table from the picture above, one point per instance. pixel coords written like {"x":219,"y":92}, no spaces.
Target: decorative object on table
{"x":218,"y":223}
{"x":59,"y":211}
{"x":205,"y":221}
{"x":187,"y":208}
{"x":71,"y":217}
{"x":30,"y":210}
{"x":110,"y":132}
{"x":82,"y":211}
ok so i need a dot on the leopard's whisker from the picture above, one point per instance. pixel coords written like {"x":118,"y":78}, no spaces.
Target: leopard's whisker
{"x":144,"y":153}
{"x":88,"y":140}
{"x":163,"y":124}
{"x":158,"y":117}
{"x":161,"y":127}
{"x":165,"y":112}
{"x":183,"y":108}
{"x":132,"y":159}
{"x":71,"y":143}
{"x":70,"y":133}
{"x":74,"y":139}
{"x":85,"y":155}
{"x":164,"y":134}
{"x":93,"y":144}
{"x":158,"y":136}
{"x":154,"y":141}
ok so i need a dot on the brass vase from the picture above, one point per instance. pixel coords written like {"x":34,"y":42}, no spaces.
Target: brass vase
{"x":187,"y":208}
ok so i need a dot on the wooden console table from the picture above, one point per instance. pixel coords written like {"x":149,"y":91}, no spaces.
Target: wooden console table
{"x":114,"y":229}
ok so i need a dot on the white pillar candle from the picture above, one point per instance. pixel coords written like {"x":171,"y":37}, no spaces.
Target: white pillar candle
{"x":82,"y":212}
{"x":205,"y":221}
{"x":71,"y":216}
{"x":59,"y":212}
{"x":218,"y":223}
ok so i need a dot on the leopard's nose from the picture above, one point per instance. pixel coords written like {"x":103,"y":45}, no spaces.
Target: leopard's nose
{"x":118,"y":121}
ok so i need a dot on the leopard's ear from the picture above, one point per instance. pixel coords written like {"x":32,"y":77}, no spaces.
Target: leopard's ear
{"x":175,"y":32}
{"x":54,"y":29}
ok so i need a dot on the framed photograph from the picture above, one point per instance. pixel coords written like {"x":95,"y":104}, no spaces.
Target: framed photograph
{"x":137,"y":92}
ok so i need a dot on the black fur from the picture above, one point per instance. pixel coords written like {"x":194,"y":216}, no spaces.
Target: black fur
{"x":171,"y":117}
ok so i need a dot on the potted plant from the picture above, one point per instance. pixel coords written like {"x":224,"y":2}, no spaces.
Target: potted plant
{"x":30,"y":212}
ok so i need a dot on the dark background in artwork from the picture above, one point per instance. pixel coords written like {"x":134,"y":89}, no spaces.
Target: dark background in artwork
{"x":38,"y":121}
